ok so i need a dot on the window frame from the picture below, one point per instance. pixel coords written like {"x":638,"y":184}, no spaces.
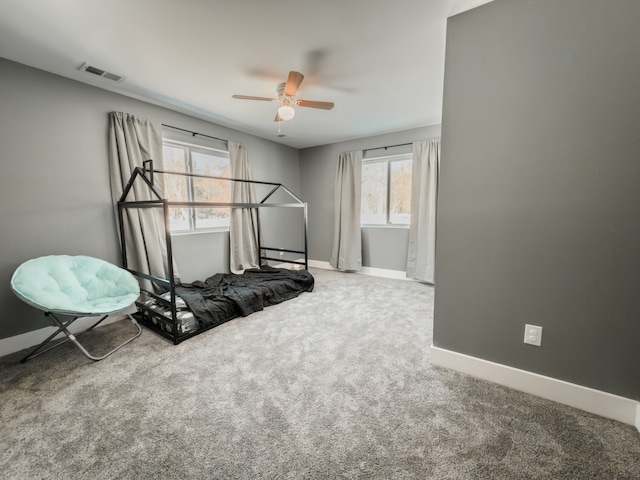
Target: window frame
{"x":388,"y":159}
{"x":189,"y":168}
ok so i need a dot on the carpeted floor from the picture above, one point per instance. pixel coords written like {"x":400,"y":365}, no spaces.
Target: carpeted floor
{"x":335,"y":384}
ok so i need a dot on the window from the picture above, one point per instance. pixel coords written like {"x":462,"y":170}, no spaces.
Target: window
{"x":386,"y":190}
{"x":184,"y":157}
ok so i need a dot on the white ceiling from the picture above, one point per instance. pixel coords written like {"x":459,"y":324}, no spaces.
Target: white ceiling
{"x":381,"y":62}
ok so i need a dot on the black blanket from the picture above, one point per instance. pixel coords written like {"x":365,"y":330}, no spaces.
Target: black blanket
{"x":224,"y":296}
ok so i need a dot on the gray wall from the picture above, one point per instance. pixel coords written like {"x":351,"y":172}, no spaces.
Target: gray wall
{"x":54,"y":187}
{"x":382,"y":247}
{"x":538,"y":216}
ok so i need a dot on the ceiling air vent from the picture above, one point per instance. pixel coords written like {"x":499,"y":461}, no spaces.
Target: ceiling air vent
{"x":101,"y":73}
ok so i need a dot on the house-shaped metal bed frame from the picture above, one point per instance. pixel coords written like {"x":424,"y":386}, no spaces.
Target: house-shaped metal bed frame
{"x":146,"y":174}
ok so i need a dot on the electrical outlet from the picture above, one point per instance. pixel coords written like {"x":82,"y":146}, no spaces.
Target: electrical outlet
{"x":533,"y":335}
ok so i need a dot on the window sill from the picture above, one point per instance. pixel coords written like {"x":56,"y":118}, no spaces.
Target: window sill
{"x":385,"y":226}
{"x":200,"y":232}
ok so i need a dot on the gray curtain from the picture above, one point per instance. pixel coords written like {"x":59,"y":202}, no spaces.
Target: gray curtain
{"x":133,"y":140}
{"x":243,"y":222}
{"x":424,"y":190}
{"x":347,"y":238}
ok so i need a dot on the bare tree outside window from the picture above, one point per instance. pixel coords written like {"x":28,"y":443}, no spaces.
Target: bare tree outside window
{"x":400,"y":192}
{"x":179,"y":157}
{"x":211,"y":190}
{"x":386,"y":191}
{"x":175,"y":186}
{"x":374,"y":194}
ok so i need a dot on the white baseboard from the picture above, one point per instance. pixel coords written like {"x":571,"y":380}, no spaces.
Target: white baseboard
{"x":601,"y":403}
{"x":375,"y":272}
{"x":35,"y":337}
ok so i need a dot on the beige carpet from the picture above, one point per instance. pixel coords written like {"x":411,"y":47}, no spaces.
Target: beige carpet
{"x":335,"y":384}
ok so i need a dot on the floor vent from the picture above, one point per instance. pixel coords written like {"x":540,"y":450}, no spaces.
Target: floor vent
{"x":101,"y":73}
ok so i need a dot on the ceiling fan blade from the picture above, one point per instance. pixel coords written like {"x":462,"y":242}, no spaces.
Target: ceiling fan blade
{"x":293,"y":83}
{"x":247,"y":97}
{"x":277,"y":119}
{"x":313,"y":104}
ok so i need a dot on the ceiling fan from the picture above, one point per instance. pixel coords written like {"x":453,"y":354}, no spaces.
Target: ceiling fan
{"x":286,"y":93}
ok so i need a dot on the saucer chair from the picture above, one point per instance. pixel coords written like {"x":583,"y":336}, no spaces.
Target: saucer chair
{"x":67,"y":288}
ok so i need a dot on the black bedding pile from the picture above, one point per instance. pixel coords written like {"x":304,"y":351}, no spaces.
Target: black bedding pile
{"x":224,"y":296}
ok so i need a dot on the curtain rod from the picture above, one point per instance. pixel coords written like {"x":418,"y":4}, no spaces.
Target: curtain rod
{"x":388,"y":146}
{"x":195,"y":133}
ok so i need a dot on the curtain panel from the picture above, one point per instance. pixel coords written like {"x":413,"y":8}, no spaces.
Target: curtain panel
{"x":347,"y":237}
{"x":424,"y":192}
{"x":133,"y":140}
{"x":243,"y":222}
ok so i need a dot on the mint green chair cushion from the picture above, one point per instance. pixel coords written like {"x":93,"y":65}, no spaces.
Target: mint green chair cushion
{"x":75,"y":285}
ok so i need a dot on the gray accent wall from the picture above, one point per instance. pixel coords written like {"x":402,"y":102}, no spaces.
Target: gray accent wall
{"x":54,"y":188}
{"x":384,"y":248}
{"x":539,"y":201}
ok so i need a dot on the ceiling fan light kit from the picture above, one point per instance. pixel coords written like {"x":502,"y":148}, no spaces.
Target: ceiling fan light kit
{"x":286,"y":112}
{"x":286,"y":92}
